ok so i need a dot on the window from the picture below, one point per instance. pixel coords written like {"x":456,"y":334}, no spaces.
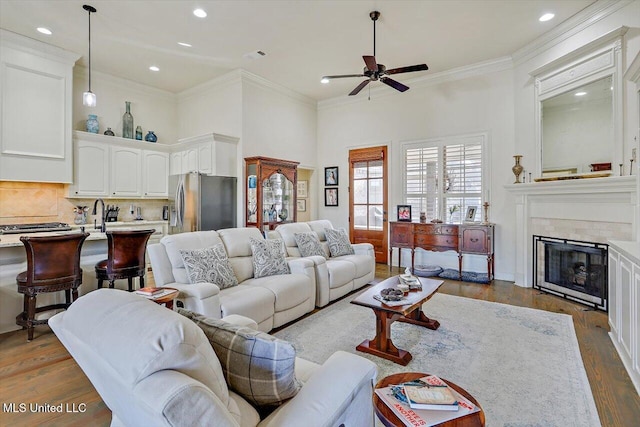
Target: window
{"x":444,"y":177}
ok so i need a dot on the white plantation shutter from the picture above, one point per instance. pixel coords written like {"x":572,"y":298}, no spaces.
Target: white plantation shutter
{"x":456,"y":163}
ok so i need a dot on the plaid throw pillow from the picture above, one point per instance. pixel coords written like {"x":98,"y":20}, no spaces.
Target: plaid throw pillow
{"x":257,"y":366}
{"x":339,"y":243}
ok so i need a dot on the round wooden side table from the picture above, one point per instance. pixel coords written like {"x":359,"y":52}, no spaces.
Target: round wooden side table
{"x":167,"y":299}
{"x":389,"y":419}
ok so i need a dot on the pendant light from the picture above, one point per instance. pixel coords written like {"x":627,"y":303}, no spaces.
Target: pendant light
{"x":89,"y":98}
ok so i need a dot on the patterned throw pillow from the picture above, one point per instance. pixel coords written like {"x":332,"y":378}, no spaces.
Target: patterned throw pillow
{"x":309,"y":244}
{"x":339,"y":243}
{"x":268,"y":257}
{"x":209,"y":265}
{"x":257,"y":366}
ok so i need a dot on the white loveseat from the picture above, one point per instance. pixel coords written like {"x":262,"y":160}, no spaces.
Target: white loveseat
{"x":154,"y":367}
{"x":335,"y":276}
{"x":270,"y":301}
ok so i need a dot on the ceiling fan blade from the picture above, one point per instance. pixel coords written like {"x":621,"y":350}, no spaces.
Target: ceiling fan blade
{"x":342,"y":76}
{"x":409,"y":69}
{"x":371,"y":63}
{"x":360,"y":87}
{"x":394,"y":84}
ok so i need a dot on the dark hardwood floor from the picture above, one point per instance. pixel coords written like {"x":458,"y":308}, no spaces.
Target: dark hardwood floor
{"x":42,"y":372}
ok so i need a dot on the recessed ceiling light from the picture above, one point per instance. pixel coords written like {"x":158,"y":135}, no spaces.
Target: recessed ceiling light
{"x":44,"y":30}
{"x":154,"y":68}
{"x":324,"y":80}
{"x":184,"y":44}
{"x":580,"y":93}
{"x":200,"y":13}
{"x":546,"y":17}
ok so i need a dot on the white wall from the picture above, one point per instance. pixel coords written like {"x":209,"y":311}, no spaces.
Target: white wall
{"x":443,"y":106}
{"x":151,"y":108}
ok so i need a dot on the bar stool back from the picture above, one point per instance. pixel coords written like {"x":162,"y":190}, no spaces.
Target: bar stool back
{"x":53,"y":265}
{"x":125,"y":257}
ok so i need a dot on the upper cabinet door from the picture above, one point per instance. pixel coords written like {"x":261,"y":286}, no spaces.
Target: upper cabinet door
{"x":126,"y":172}
{"x":155,"y":169}
{"x":175,"y":163}
{"x":91,"y":165}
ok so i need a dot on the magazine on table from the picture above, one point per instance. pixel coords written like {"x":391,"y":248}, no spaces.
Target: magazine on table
{"x":423,"y":417}
{"x":158,"y":294}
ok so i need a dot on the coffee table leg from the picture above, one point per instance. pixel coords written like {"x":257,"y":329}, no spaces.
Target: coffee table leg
{"x":417,"y":317}
{"x":381,"y":345}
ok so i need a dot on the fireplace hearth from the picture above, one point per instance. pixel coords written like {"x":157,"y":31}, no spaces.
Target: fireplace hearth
{"x":573,"y":269}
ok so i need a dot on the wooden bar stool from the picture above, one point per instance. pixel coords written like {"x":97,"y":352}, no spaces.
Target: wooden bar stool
{"x":53,"y":265}
{"x":126,"y":257}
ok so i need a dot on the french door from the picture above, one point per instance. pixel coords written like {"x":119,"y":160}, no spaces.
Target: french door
{"x":368,"y":199}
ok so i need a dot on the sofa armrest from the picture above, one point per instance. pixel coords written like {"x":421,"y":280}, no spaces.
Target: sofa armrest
{"x":340,"y":391}
{"x":363,"y":249}
{"x":170,"y":398}
{"x":202,"y":298}
{"x":303,"y":266}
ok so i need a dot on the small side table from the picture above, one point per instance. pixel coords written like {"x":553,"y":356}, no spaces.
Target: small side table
{"x":167,"y":299}
{"x":389,"y":418}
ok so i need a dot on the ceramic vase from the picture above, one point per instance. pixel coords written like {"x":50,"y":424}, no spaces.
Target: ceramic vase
{"x":139,"y":133}
{"x":127,"y":122}
{"x":517,"y":169}
{"x":92,"y":124}
{"x":151,"y":137}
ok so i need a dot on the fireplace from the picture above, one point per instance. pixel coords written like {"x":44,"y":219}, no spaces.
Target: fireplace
{"x":573,"y":269}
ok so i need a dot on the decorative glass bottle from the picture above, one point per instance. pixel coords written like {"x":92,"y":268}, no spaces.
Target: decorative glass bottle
{"x":517,"y":169}
{"x":127,"y":122}
{"x":139,"y":133}
{"x":151,"y":137}
{"x":92,"y":124}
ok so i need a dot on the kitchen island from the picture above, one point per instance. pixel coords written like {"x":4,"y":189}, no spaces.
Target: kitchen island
{"x":13,"y":260}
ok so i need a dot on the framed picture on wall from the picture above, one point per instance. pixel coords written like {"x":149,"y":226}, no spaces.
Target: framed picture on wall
{"x":302,"y":205}
{"x":302,"y":189}
{"x":331,"y":175}
{"x":404,"y":213}
{"x":331,"y":197}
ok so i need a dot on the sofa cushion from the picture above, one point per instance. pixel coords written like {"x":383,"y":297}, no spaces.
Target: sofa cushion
{"x":319,"y":226}
{"x":257,"y":366}
{"x":268,"y":257}
{"x":339,"y":243}
{"x":194,"y":240}
{"x":308,"y":244}
{"x":250,"y":301}
{"x":209,"y":265}
{"x":290,"y":290}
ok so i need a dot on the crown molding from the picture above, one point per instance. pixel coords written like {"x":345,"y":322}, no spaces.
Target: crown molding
{"x":263,"y":83}
{"x":572,"y":26}
{"x":230,"y":78}
{"x":36,"y":47}
{"x":460,"y":73}
{"x":81,"y":72}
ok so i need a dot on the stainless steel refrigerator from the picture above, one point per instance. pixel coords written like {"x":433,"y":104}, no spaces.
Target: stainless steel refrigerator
{"x":201,"y":202}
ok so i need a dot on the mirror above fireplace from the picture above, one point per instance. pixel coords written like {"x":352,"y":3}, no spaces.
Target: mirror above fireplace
{"x":579,"y":110}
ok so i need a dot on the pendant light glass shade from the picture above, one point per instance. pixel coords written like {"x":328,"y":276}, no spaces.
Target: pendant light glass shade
{"x":89,"y":98}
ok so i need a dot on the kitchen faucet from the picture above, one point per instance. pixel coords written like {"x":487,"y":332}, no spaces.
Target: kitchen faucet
{"x":103,"y":225}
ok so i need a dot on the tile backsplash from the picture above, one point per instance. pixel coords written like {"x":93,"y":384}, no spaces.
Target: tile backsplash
{"x":31,"y":202}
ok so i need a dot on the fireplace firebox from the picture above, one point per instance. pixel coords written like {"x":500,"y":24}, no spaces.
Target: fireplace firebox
{"x":573,"y":269}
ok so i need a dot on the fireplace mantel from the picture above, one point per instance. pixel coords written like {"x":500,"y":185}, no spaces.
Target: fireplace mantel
{"x":615,"y":184}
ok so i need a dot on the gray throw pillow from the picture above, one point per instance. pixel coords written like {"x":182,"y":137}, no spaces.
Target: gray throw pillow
{"x":339,"y":243}
{"x":209,"y":265}
{"x":256,"y":365}
{"x":268,"y":257}
{"x":309,"y":244}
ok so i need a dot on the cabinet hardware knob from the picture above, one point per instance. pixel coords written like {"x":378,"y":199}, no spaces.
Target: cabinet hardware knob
{"x":474,"y":240}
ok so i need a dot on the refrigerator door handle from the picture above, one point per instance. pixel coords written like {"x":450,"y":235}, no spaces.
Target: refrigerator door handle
{"x":180,"y":202}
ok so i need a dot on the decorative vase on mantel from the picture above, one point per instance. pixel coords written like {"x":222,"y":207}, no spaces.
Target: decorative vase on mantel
{"x":517,"y":168}
{"x":127,"y":122}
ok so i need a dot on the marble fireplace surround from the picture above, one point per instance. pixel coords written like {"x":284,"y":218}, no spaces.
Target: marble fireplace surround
{"x":594,"y":210}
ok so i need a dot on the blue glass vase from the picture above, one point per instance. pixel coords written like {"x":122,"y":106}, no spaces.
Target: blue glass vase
{"x":151,"y":137}
{"x":92,"y":124}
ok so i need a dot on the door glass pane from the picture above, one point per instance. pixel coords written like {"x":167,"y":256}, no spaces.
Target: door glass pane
{"x":375,"y":169}
{"x":375,"y":217}
{"x":359,"y":170}
{"x":360,"y":217}
{"x":360,"y":191}
{"x":375,"y":191}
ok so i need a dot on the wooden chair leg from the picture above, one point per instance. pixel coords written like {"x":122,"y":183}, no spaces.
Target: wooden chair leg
{"x":141,"y":281}
{"x":130,"y":282}
{"x":67,"y":297}
{"x":99,"y":283}
{"x":74,"y":294}
{"x":31,"y":315}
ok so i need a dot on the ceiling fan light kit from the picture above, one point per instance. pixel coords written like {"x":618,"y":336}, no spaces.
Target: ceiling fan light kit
{"x":374,"y":71}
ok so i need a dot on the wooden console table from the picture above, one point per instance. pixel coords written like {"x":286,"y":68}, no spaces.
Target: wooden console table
{"x":462,"y":238}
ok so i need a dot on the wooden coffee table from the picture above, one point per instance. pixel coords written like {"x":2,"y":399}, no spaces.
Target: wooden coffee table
{"x":167,"y":299}
{"x":381,"y":345}
{"x":390,"y":419}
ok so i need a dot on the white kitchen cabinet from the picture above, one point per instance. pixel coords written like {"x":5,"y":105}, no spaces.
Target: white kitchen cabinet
{"x":91,"y":166}
{"x":190,"y":160}
{"x":175,"y":163}
{"x":126,"y":172}
{"x":624,"y":302}
{"x":155,"y":173}
{"x":36,"y":93}
{"x":209,"y":154}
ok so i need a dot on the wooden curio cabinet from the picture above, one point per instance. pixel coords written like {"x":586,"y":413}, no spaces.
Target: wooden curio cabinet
{"x":270,"y":186}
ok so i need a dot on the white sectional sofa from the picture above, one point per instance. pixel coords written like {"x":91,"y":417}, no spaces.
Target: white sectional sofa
{"x":155,"y":367}
{"x":270,"y":301}
{"x":335,"y":276}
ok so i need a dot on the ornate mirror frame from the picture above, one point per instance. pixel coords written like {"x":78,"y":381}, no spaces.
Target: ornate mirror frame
{"x":594,"y":61}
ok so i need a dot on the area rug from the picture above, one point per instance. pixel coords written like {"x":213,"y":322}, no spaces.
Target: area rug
{"x":522,"y":365}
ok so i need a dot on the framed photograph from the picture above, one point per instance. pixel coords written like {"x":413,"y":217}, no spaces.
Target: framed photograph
{"x":471,"y":214}
{"x":302,"y":189}
{"x":302,"y":205}
{"x":331,"y":175}
{"x":331,"y":196}
{"x":404,"y":213}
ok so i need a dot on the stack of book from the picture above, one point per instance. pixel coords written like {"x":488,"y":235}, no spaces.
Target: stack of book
{"x":425,"y":402}
{"x":154,"y":293}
